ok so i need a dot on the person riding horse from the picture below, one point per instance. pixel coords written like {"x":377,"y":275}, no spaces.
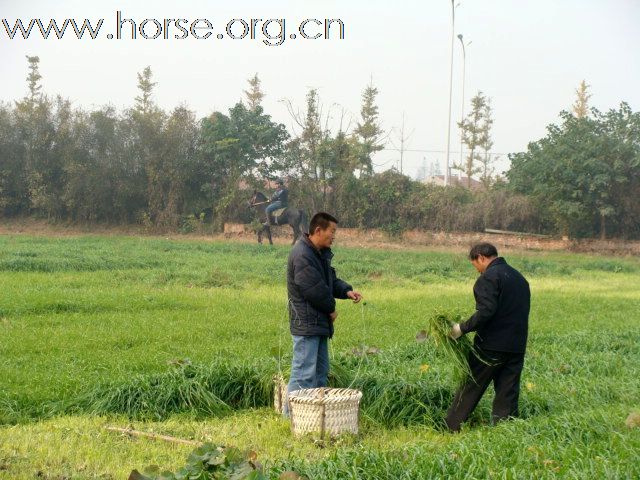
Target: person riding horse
{"x":278,"y":200}
{"x":294,"y":217}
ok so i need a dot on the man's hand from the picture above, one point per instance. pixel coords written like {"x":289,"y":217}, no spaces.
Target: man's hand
{"x":355,"y":296}
{"x":333,"y":316}
{"x":455,"y":332}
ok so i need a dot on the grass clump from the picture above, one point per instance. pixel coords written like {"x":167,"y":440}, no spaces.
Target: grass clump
{"x":403,"y":386}
{"x":395,"y":390}
{"x":200,"y":390}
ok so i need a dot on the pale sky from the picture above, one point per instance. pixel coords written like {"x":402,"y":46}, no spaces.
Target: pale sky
{"x":528,"y":56}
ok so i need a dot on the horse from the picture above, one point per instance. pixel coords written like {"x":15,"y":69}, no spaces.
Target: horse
{"x":293,"y":217}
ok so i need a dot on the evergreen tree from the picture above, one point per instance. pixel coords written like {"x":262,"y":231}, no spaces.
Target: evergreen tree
{"x":148,"y":123}
{"x":475,"y":129}
{"x":486,"y":160}
{"x":145,"y":85}
{"x":34,"y":77}
{"x":368,"y":130}
{"x":36,"y":124}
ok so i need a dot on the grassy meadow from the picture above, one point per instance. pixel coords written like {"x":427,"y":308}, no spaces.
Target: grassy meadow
{"x":182,"y":338}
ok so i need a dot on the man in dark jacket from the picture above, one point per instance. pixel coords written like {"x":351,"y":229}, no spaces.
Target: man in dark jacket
{"x":312,"y":287}
{"x":501,"y":324}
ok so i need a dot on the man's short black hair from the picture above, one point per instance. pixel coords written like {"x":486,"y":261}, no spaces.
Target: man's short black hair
{"x":484,"y":249}
{"x":322,"y":220}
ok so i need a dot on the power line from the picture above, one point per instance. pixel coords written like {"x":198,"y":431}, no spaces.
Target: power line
{"x":383,"y":163}
{"x":418,"y":150}
{"x":403,"y":140}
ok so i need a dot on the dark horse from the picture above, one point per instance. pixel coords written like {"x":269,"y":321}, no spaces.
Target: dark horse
{"x":296,"y":218}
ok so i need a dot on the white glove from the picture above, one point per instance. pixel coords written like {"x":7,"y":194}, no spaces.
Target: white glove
{"x":455,"y":332}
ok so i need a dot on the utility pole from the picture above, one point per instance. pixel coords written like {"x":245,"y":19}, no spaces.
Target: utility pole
{"x":403,"y":139}
{"x":453,"y":25}
{"x":464,"y":61}
{"x":402,"y":143}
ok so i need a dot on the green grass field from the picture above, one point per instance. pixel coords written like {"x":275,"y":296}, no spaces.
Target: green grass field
{"x":91,"y":329}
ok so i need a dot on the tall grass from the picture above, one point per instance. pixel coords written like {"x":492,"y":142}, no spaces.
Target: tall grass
{"x":200,"y":390}
{"x":397,"y":390}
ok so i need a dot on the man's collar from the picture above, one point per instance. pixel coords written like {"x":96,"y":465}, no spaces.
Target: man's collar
{"x":308,"y":241}
{"x":496,"y":261}
{"x":321,"y":252}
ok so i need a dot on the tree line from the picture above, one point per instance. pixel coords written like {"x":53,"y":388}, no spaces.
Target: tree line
{"x":169,"y":170}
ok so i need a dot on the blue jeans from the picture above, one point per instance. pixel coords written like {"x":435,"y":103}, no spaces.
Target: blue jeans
{"x":310,"y":365}
{"x":274,"y":206}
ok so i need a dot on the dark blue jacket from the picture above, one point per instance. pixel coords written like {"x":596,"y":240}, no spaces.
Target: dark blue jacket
{"x":312,"y":287}
{"x":503,"y":299}
{"x":281,"y":195}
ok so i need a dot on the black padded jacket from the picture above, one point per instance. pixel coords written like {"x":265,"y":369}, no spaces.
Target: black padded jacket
{"x":312,"y":287}
{"x":503,"y":300}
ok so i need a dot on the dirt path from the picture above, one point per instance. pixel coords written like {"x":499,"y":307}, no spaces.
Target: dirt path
{"x":351,"y":237}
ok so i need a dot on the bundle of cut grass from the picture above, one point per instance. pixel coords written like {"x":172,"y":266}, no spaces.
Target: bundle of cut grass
{"x":455,"y":351}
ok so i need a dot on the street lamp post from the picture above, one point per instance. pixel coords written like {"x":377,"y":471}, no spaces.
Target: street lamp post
{"x":464,"y":60}
{"x":453,"y":23}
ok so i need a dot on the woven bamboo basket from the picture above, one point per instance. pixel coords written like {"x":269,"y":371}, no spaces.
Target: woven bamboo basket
{"x":279,"y":393}
{"x":325,"y":410}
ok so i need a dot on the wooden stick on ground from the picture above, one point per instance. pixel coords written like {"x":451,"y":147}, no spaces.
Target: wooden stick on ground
{"x":137,"y":433}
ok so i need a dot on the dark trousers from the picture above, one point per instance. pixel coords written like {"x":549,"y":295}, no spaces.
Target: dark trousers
{"x":504,"y":369}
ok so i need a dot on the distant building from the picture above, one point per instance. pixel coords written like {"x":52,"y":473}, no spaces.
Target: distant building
{"x":453,"y":180}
